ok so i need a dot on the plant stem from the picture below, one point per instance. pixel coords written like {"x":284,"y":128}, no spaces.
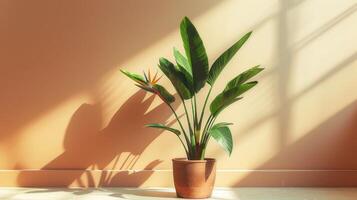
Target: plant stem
{"x":204,"y":148}
{"x":189,"y":125}
{"x":193,"y":110}
{"x":195,"y":106}
{"x":197,"y":128}
{"x":183,"y":130}
{"x":193,"y":142}
{"x":206,"y":126}
{"x":184,"y":146}
{"x":203,"y":151}
{"x":207,"y":136}
{"x":204,"y":106}
{"x":187,"y":116}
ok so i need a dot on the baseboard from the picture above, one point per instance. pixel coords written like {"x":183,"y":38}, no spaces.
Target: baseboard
{"x":163,"y":178}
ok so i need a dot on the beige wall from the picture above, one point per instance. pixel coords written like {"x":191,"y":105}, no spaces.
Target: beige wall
{"x":66,"y":112}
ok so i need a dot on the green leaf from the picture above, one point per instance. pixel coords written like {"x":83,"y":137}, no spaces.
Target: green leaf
{"x":228,"y":103}
{"x":164,"y":94}
{"x":184,"y":67}
{"x":182,"y":61}
{"x":176,"y":77}
{"x":228,"y":97}
{"x":222,"y":60}
{"x":146,"y":88}
{"x":135,"y":77}
{"x":243,"y":77}
{"x":221,"y":124}
{"x":222,"y":135}
{"x":195,"y":52}
{"x":162,"y":126}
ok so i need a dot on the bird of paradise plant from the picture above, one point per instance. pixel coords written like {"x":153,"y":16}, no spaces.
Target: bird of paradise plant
{"x":188,"y":76}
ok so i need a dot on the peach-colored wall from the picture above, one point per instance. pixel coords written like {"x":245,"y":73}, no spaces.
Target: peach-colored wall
{"x":68,"y":116}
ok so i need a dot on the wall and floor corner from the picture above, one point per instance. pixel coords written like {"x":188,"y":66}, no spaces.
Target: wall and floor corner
{"x":68,"y":117}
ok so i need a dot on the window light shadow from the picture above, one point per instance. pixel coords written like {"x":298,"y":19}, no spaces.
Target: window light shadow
{"x":330,"y":146}
{"x":88,"y":148}
{"x":283,"y":69}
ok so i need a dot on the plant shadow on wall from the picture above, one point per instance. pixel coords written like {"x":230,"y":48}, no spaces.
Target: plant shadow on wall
{"x":53,"y":52}
{"x":87,"y":147}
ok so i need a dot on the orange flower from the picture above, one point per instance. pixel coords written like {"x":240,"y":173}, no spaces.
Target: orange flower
{"x":150,"y":81}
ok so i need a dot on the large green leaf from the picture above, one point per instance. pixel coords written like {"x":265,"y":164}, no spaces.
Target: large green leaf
{"x":176,"y":77}
{"x":228,"y":97}
{"x":243,"y":77}
{"x":195,"y":52}
{"x":164,"y":94}
{"x":162,"y":126}
{"x":222,"y":134}
{"x":135,"y":77}
{"x":222,"y":60}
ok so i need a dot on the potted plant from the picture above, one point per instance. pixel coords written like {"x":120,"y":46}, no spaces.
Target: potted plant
{"x":194,"y":175}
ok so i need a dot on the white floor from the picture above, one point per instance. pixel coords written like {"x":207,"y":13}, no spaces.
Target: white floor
{"x":165,"y":193}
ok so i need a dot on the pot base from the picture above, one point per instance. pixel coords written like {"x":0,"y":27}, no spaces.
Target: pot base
{"x":194,"y":193}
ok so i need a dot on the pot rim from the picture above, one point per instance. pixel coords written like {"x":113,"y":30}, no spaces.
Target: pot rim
{"x":185,"y":160}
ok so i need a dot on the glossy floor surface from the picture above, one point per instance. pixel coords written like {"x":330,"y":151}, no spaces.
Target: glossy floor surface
{"x":165,"y":193}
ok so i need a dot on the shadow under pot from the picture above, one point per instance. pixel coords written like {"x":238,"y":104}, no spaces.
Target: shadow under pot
{"x":194,"y":178}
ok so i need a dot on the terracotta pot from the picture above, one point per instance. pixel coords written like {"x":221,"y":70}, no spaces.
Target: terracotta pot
{"x":194,"y":178}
